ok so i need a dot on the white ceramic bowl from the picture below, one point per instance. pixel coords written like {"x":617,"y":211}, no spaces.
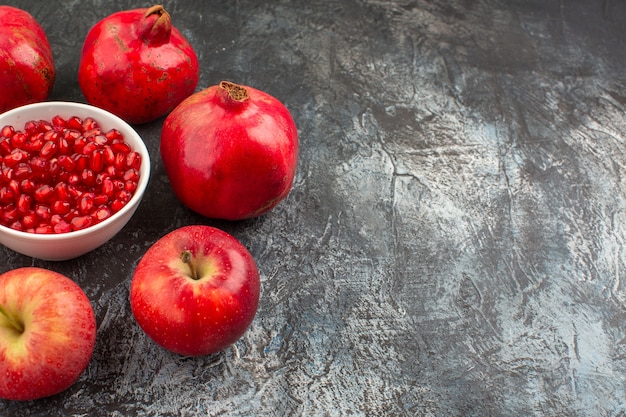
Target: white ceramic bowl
{"x":64,"y":246}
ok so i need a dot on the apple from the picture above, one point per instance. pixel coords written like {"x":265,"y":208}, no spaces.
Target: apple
{"x":195,"y":291}
{"x":47,"y":333}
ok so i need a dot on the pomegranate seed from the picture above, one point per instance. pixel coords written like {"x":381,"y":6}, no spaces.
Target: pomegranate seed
{"x":108,"y":187}
{"x":130,"y":186}
{"x":44,"y":230}
{"x":100,"y":200}
{"x":81,"y":222}
{"x":63,"y":146}
{"x":22,"y":171}
{"x":27,"y":186}
{"x":53,"y":168}
{"x":131,"y":175}
{"x":31,"y":127}
{"x":118,"y":184}
{"x":133,"y":160}
{"x":10,"y":214}
{"x":6,"y":173}
{"x":24,"y":202}
{"x":15,"y":157}
{"x":85,"y":204}
{"x":58,"y":122}
{"x":14,"y":186}
{"x":43,"y":212}
{"x":72,"y":213}
{"x":29,"y":220}
{"x":101,"y":176}
{"x":71,"y":135}
{"x":117,"y":205}
{"x":89,"y":124}
{"x":48,"y":149}
{"x":120,"y":161}
{"x":39,"y":164}
{"x":91,"y":133}
{"x":7,"y":131}
{"x":17,"y":225}
{"x":81,"y":162}
{"x":73,"y":179}
{"x":35,"y":144}
{"x":66,"y":163}
{"x":111,"y":171}
{"x":62,"y":227}
{"x":5,"y":147}
{"x":123,"y":195}
{"x":113,"y":134}
{"x":79,"y":144}
{"x":100,"y":139}
{"x":89,"y":148}
{"x":52,"y":135}
{"x":108,"y":155}
{"x":45,"y":126}
{"x":96,"y":160}
{"x":120,"y":147}
{"x":75,"y":123}
{"x":74,"y":192}
{"x":44,"y":193}
{"x":18,"y":140}
{"x":87,"y":177}
{"x":102,"y":213}
{"x":6,"y":195}
{"x":61,"y":207}
{"x":61,"y":191}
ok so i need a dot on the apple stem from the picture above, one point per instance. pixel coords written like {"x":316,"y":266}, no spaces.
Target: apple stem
{"x":187,"y":257}
{"x":12,"y":321}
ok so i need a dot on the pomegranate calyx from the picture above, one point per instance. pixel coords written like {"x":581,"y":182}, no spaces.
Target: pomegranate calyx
{"x":235,"y":92}
{"x":155,"y":26}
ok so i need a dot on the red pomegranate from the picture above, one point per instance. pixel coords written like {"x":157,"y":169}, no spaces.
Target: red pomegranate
{"x":27,"y":70}
{"x":230,"y":151}
{"x":137,"y":65}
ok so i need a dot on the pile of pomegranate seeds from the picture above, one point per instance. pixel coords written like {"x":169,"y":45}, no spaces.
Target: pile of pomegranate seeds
{"x":63,"y":175}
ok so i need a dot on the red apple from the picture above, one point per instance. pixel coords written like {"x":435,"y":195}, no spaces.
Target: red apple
{"x":47,"y":333}
{"x":195,"y":291}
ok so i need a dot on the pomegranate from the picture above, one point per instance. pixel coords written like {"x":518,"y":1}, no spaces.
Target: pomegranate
{"x":27,"y":70}
{"x":136,"y":64}
{"x":230,"y":151}
{"x":63,"y":175}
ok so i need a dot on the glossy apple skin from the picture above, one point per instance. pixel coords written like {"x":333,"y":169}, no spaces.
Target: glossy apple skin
{"x":195,"y":317}
{"x":59,"y":333}
{"x":228,"y":159}
{"x":137,"y":66}
{"x":27,"y":71}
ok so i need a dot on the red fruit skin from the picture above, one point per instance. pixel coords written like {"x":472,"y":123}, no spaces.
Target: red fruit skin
{"x":59,"y":333}
{"x":195,"y":317}
{"x":27,"y":71}
{"x":230,"y":159}
{"x":137,"y":65}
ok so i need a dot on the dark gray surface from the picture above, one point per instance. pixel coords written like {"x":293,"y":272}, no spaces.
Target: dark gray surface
{"x":454,"y":243}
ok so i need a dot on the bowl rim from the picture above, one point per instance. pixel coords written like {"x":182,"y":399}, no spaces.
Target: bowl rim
{"x":137,"y":194}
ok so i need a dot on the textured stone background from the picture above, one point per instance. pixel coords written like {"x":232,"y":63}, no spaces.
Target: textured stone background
{"x":454,"y":244}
